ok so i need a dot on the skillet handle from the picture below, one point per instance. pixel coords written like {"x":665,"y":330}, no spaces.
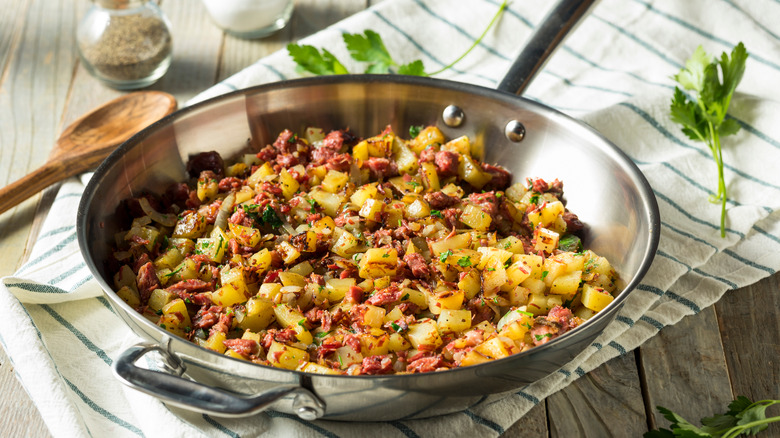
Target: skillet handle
{"x":193,"y":396}
{"x":548,"y":35}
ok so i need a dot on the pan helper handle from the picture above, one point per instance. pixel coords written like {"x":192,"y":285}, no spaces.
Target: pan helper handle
{"x":191,"y":395}
{"x":548,"y":35}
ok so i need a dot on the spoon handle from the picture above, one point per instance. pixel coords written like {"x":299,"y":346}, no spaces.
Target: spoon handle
{"x":30,"y":184}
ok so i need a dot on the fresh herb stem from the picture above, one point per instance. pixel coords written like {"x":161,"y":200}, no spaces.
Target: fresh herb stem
{"x":476,"y":42}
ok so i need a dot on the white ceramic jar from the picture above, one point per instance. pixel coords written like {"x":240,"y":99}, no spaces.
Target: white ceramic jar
{"x":250,"y":18}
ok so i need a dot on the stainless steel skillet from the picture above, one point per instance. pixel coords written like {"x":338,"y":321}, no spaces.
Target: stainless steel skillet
{"x":602,"y":186}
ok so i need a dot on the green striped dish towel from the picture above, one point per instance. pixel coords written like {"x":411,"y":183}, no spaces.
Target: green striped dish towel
{"x":613,"y":72}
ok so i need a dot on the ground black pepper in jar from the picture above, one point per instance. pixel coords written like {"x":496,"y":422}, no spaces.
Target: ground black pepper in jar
{"x":125,"y":43}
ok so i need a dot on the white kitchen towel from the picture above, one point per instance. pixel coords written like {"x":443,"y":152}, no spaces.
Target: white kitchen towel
{"x":613,"y":72}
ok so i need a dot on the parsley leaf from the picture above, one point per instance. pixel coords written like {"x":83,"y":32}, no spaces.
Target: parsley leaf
{"x":437,"y":213}
{"x":369,"y":48}
{"x":414,"y":130}
{"x":311,"y":60}
{"x":270,"y":217}
{"x":443,"y":256}
{"x":464,"y":261}
{"x":743,"y":416}
{"x":703,"y":116}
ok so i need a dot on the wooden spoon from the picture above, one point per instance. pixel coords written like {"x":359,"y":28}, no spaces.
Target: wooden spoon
{"x":89,"y":140}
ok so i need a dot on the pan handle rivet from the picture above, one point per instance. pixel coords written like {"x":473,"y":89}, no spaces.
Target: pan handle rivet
{"x":514,"y":131}
{"x":453,"y":116}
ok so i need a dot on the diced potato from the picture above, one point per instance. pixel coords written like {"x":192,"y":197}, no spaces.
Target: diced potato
{"x":360,"y":151}
{"x":404,"y":158}
{"x":269,"y":290}
{"x":497,"y":347}
{"x":228,"y":295}
{"x":346,"y":245}
{"x":424,"y":333}
{"x":207,"y":188}
{"x":595,"y":298}
{"x":372,"y":210}
{"x":493,"y":277}
{"x":552,"y":269}
{"x":363,"y":193}
{"x":261,"y":260}
{"x":584,"y":313}
{"x":517,"y":273}
{"x":159,"y":298}
{"x":418,"y":209}
{"x":169,"y":259}
{"x":492,"y":257}
{"x":566,"y":284}
{"x":284,"y":356}
{"x":330,"y":202}
{"x":292,"y":279}
{"x":129,"y":296}
{"x":429,"y":136}
{"x":288,"y":184}
{"x":380,"y":145}
{"x":374,"y":345}
{"x":473,"y":357}
{"x":550,"y":211}
{"x":454,"y":320}
{"x":430,"y":177}
{"x":215,"y":342}
{"x":312,"y":135}
{"x":546,"y":240}
{"x":246,"y":236}
{"x":213,"y":248}
{"x":287,"y":316}
{"x":337,"y":288}
{"x":515,"y":192}
{"x":472,"y":173}
{"x":259,"y":314}
{"x":374,"y":316}
{"x":397,"y":342}
{"x":518,"y":296}
{"x":470,"y":284}
{"x":378,"y":262}
{"x":460,"y":145}
{"x":448,"y":299}
{"x":516,"y":314}
{"x":534,"y":262}
{"x":462,"y":240}
{"x":175,"y":317}
{"x":288,"y":252}
{"x":346,"y":356}
{"x":260,"y":175}
{"x":475,"y":218}
{"x":334,"y":181}
{"x":315,"y":368}
{"x":415,"y":296}
{"x":191,"y":226}
{"x":537,"y":304}
{"x":511,"y":244}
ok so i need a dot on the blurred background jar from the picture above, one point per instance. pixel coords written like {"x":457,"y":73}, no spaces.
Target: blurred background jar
{"x":250,"y":19}
{"x":125,"y":43}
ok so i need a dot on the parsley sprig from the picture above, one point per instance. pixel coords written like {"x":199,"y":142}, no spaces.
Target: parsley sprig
{"x":703,"y":117}
{"x":743,"y":416}
{"x":369,"y":48}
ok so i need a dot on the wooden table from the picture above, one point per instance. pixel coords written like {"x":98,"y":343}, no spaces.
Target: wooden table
{"x":694,"y":368}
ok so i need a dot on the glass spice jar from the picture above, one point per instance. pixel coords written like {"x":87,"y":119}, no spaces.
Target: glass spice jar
{"x":125,"y":43}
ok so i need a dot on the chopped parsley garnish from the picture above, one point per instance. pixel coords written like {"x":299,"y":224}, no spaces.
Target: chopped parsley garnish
{"x":525,"y":313}
{"x":414,"y":130}
{"x":405,"y":297}
{"x":443,"y":256}
{"x":313,"y":203}
{"x":544,"y":274}
{"x":464,"y":262}
{"x":540,"y":337}
{"x":270,"y":217}
{"x":437,"y":213}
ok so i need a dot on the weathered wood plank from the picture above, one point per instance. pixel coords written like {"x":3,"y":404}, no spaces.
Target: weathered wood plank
{"x":38,"y":54}
{"x":197,"y":45}
{"x":750,"y":329}
{"x":685,"y":362}
{"x":532,"y":425}
{"x":605,"y":402}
